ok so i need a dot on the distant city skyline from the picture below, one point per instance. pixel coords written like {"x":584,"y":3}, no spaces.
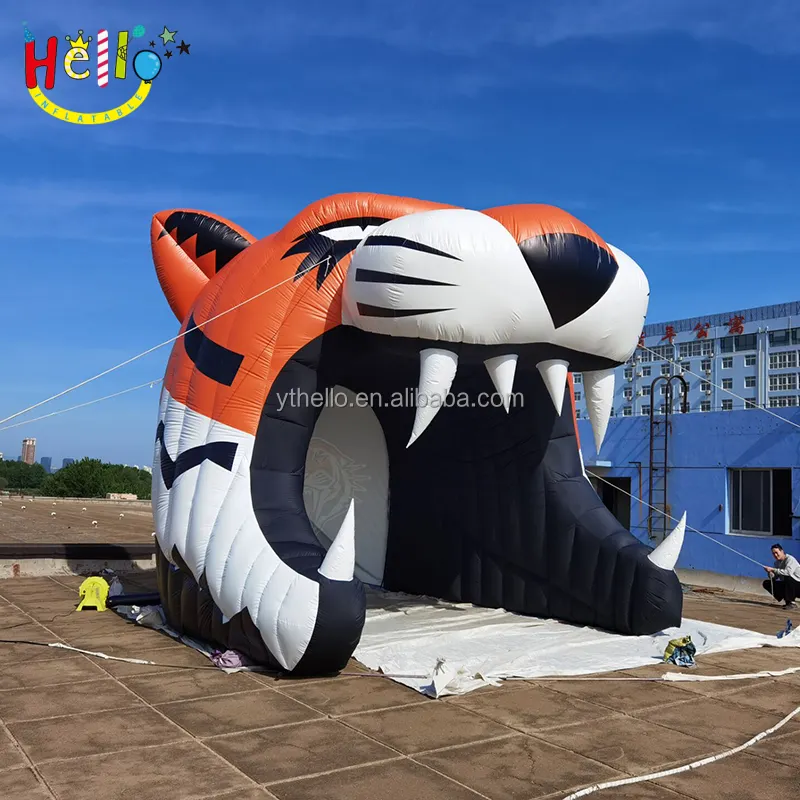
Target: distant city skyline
{"x":28,"y":455}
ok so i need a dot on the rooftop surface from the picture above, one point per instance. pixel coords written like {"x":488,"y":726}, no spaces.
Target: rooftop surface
{"x":74,"y":726}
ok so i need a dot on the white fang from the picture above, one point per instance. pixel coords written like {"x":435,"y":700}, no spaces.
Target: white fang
{"x":502,"y":370}
{"x":437,"y":370}
{"x":340,"y":560}
{"x":599,"y":389}
{"x":666,"y":554}
{"x":554,"y":375}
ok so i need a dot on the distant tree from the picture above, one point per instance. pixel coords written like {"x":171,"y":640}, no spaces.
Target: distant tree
{"x":19,"y":475}
{"x":3,"y":483}
{"x":90,"y":477}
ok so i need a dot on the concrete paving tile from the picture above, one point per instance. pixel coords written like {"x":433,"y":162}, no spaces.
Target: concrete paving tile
{"x":173,"y":660}
{"x":350,"y":695}
{"x":62,"y":671}
{"x":19,"y":653}
{"x":784,"y":749}
{"x":293,"y":751}
{"x":174,"y":771}
{"x":213,"y":716}
{"x":9,"y":753}
{"x":629,"y":745}
{"x":243,"y":794}
{"x":715,"y":720}
{"x":10,"y":616}
{"x":26,"y":588}
{"x":166,"y":687}
{"x":621,"y":694}
{"x":518,"y":768}
{"x":21,"y":784}
{"x":532,"y":708}
{"x":756,"y":659}
{"x":46,"y":611}
{"x":17,"y":705}
{"x":776,"y":697}
{"x":634,"y":791}
{"x":425,"y":726}
{"x":740,"y":777}
{"x":90,"y":734}
{"x":397,"y":780}
{"x":124,"y":634}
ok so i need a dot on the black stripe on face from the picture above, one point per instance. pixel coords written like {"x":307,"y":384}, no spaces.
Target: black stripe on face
{"x":376,"y":276}
{"x":399,"y":241}
{"x":212,"y":235}
{"x":322,"y":253}
{"x":221,"y":453}
{"x":213,"y":360}
{"x":379,"y":311}
{"x":572,"y":272}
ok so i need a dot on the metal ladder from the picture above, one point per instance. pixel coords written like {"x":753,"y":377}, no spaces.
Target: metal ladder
{"x":658,"y":518}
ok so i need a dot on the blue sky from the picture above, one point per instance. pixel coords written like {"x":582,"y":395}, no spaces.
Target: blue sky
{"x":670,"y":128}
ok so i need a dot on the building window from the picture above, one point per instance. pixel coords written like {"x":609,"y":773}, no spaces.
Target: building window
{"x":627,"y":411}
{"x":779,"y":338}
{"x":627,"y":393}
{"x":727,"y":405}
{"x":747,"y":341}
{"x":628,"y":374}
{"x":694,"y":349}
{"x":663,"y":352}
{"x":577,"y":377}
{"x":705,"y":386}
{"x":645,"y":411}
{"x":727,"y":383}
{"x":577,"y":413}
{"x":783,"y":383}
{"x":750,"y":402}
{"x":665,"y":369}
{"x":663,"y":391}
{"x":750,"y":382}
{"x":577,"y":396}
{"x":782,"y":402}
{"x":786,"y":360}
{"x":646,"y":372}
{"x":727,"y":362}
{"x":750,"y":360}
{"x":761,"y":501}
{"x":646,"y":391}
{"x":726,"y":344}
{"x":705,"y":365}
{"x":705,"y":405}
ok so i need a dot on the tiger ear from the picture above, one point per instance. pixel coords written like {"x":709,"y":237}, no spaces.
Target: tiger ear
{"x":189,"y":248}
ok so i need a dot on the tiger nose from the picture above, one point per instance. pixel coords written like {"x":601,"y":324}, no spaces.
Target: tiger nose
{"x":572,"y":272}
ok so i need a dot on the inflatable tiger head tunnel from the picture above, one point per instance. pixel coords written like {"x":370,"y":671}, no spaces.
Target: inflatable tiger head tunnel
{"x":381,"y":393}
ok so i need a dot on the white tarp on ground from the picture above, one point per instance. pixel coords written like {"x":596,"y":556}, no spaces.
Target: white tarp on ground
{"x":442,"y":648}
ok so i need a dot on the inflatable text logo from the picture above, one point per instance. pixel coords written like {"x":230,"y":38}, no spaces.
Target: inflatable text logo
{"x":76,"y":62}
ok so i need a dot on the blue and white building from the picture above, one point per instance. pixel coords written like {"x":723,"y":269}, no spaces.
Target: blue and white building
{"x":737,"y":360}
{"x":734,"y":470}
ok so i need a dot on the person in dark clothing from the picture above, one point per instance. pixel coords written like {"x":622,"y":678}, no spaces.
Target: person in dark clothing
{"x":784,"y":577}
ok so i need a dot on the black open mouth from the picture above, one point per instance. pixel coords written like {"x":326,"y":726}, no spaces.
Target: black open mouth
{"x":487,"y":506}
